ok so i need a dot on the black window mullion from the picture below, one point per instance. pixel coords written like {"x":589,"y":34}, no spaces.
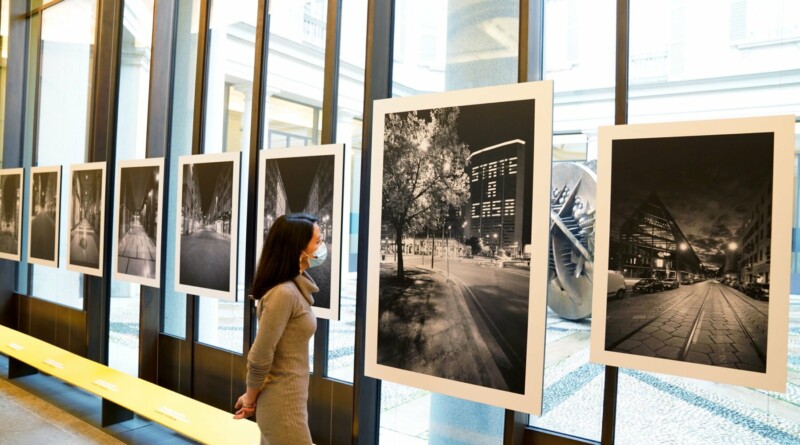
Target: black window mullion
{"x":377,"y":85}
{"x":256,"y":141}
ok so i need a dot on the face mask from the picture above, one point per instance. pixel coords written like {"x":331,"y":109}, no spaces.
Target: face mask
{"x":319,"y":256}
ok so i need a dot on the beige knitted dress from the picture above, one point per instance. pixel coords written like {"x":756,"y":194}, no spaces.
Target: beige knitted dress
{"x":278,"y":362}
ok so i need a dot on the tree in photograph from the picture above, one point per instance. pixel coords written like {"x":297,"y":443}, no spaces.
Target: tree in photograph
{"x":423,"y":172}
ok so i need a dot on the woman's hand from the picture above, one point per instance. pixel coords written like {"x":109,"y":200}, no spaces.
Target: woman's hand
{"x":244,"y":408}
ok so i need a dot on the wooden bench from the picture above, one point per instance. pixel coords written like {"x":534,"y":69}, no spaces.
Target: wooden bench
{"x":122,"y":394}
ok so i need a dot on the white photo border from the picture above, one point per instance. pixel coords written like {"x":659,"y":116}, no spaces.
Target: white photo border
{"x":774,"y":379}
{"x":138,"y":163}
{"x":20,"y":172}
{"x":542,"y":93}
{"x":235,"y":158}
{"x":337,"y":151}
{"x":98,"y":272}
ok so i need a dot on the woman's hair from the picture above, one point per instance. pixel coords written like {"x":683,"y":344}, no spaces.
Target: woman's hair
{"x":280,"y":256}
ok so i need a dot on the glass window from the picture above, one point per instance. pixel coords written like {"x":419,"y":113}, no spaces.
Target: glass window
{"x":579,"y":53}
{"x":134,"y":82}
{"x":441,"y":46}
{"x":66,"y":59}
{"x":349,"y":127}
{"x":228,"y":101}
{"x":704,"y":60}
{"x":3,"y":69}
{"x":296,"y":71}
{"x":188,"y":23}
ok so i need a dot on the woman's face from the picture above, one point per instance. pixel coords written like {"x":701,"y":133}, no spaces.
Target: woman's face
{"x":316,"y":240}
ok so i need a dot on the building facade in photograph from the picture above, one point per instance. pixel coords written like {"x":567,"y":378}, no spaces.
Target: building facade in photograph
{"x":650,"y":244}
{"x":755,"y":244}
{"x":320,"y":196}
{"x":496,"y":192}
{"x":275,"y":199}
{"x":191,"y":207}
{"x":220,"y":211}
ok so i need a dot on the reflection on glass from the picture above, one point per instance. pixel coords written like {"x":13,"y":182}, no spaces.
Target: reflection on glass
{"x":134,"y":82}
{"x":707,"y":60}
{"x":188,"y":22}
{"x":229,"y":87}
{"x":441,"y":46}
{"x":295,"y":76}
{"x":3,"y":69}
{"x":66,"y":61}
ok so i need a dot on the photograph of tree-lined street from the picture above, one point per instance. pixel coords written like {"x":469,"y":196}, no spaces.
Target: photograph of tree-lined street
{"x":455,"y":228}
{"x":690,"y":235}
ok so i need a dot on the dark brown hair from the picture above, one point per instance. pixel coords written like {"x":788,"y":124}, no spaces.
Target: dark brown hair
{"x":280,"y":256}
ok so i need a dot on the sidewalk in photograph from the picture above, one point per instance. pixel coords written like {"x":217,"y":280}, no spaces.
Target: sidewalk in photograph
{"x":137,"y":253}
{"x":428,"y":328}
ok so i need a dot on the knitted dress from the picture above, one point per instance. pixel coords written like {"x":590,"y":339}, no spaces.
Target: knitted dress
{"x":278,"y":362}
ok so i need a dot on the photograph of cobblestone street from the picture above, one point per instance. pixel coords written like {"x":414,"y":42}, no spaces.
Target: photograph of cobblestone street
{"x":136,"y":226}
{"x":691,"y":236}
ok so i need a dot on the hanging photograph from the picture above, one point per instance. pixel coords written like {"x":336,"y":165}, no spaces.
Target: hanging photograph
{"x":205,"y":253}
{"x":691,"y":230}
{"x":45,"y":201}
{"x":137,"y":210}
{"x":85,"y":220}
{"x":10,"y":213}
{"x":458,"y":243}
{"x":307,"y":180}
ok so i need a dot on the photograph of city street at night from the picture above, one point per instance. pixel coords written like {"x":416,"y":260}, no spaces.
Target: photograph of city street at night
{"x":44,"y":205}
{"x":306,"y":184}
{"x":690,"y":233}
{"x":206,"y":225}
{"x":456,"y":220}
{"x":85,"y":220}
{"x":136,"y":222}
{"x":10,"y":213}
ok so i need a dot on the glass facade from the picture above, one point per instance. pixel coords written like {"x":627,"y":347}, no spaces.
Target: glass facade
{"x":66,"y":58}
{"x":687,"y":60}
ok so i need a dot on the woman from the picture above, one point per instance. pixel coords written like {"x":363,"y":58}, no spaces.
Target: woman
{"x":277,"y":365}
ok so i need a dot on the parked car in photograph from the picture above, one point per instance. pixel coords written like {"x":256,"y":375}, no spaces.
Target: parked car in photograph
{"x":671,"y":283}
{"x":687,"y":281}
{"x":648,"y":285}
{"x":758,"y":291}
{"x":616,"y":285}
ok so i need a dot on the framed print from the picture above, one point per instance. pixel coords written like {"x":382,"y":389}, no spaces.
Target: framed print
{"x":307,"y":180}
{"x":694,"y":280}
{"x":85,"y":221}
{"x":205,"y":252}
{"x":10,"y":213}
{"x":137,"y":217}
{"x":458,"y":243}
{"x":44,"y":204}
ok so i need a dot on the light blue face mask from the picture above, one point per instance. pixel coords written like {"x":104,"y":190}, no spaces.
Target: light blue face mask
{"x":319,"y":256}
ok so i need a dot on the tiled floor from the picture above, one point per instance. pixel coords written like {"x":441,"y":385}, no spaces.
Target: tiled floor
{"x":40,"y":409}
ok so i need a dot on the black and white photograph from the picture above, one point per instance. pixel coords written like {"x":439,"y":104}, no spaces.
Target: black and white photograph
{"x":45,"y":202}
{"x":10,"y":213}
{"x":307,"y":180}
{"x":459,"y":243}
{"x":205,"y":257}
{"x":85,"y":218}
{"x":137,"y":233}
{"x":696,"y":274}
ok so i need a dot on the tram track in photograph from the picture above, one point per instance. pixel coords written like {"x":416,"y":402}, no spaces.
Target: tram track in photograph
{"x":707,"y":323}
